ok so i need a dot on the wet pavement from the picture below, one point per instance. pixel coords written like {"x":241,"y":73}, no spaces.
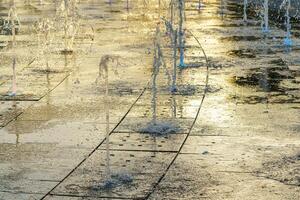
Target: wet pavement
{"x":234,"y":135}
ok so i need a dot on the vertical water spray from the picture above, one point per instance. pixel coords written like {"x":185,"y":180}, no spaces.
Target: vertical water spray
{"x":173,"y":34}
{"x":103,"y":73}
{"x":287,"y":40}
{"x":245,"y":17}
{"x":181,"y":33}
{"x":108,"y":172}
{"x":44,"y":39}
{"x":68,"y":15}
{"x":174,"y":76}
{"x":172,"y":5}
{"x":13,"y":18}
{"x":265,"y":26}
{"x":199,"y":5}
{"x":156,"y":65}
{"x":222,"y":7}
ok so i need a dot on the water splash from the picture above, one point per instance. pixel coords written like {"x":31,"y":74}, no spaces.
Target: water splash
{"x":115,"y":180}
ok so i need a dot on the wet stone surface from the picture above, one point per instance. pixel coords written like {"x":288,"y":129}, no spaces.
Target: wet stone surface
{"x":63,"y":138}
{"x":89,"y":179}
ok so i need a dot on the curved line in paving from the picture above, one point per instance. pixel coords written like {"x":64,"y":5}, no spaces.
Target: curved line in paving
{"x":41,"y":97}
{"x":95,"y":149}
{"x":125,"y":115}
{"x":194,"y":121}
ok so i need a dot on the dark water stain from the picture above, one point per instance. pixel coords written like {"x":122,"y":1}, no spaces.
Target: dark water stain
{"x":48,"y":71}
{"x":6,"y":27}
{"x":267,"y":79}
{"x":243,"y":53}
{"x":277,"y":82}
{"x":19,"y":97}
{"x":249,"y":53}
{"x":66,"y":52}
{"x":239,"y":24}
{"x":240,"y":38}
{"x":278,"y":62}
{"x":270,"y":99}
{"x":2,"y":44}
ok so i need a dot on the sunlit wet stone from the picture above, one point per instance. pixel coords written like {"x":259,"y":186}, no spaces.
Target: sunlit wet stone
{"x":74,"y":127}
{"x":142,"y":166}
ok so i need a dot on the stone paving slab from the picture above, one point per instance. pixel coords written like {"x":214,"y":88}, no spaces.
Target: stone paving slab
{"x":78,"y":109}
{"x":199,"y":171}
{"x":21,"y":173}
{"x":19,"y":196}
{"x":143,"y":167}
{"x":73,"y":117}
{"x":57,"y":197}
{"x":204,"y":183}
{"x":178,"y":111}
{"x":167,"y":100}
{"x":72,"y":134}
{"x":233,"y":139}
{"x":31,"y":86}
{"x":9,"y":110}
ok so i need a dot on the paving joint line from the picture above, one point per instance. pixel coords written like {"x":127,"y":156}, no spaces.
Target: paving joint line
{"x":97,"y":147}
{"x":191,"y":127}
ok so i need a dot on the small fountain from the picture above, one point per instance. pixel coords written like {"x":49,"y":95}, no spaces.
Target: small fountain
{"x":156,"y":127}
{"x":127,"y":5}
{"x":67,"y":12}
{"x":173,"y":36}
{"x":43,"y":29}
{"x":108,"y":172}
{"x":112,"y":180}
{"x":245,"y":17}
{"x":172,"y":6}
{"x":265,"y":23}
{"x":181,"y":33}
{"x":287,"y":40}
{"x":200,"y":5}
{"x":156,"y":65}
{"x":174,"y":87}
{"x":222,"y":8}
{"x":14,"y":79}
{"x":12,"y":20}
